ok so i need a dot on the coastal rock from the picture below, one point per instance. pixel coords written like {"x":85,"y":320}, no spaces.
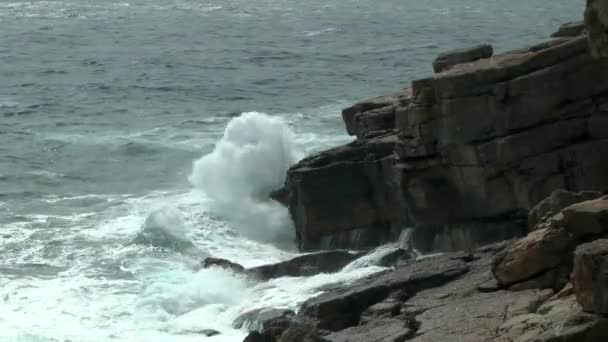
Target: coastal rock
{"x":448,"y":59}
{"x":340,"y":198}
{"x":472,"y":150}
{"x":590,"y":276}
{"x":341,"y":308}
{"x":376,"y":114}
{"x":305,"y":265}
{"x":263,"y":319}
{"x":571,"y":29}
{"x":587,"y":218}
{"x":540,"y":251}
{"x":436,"y":299}
{"x":553,"y":205}
{"x":222,"y":263}
{"x":596,"y":19}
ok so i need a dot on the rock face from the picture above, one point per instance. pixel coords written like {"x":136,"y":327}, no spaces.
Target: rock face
{"x":596,"y":18}
{"x":448,"y":59}
{"x":462,"y":155}
{"x":590,"y":276}
{"x":572,"y":29}
{"x":340,"y":198}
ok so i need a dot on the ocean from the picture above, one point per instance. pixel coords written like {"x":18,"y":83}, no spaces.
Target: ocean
{"x":138,"y":137}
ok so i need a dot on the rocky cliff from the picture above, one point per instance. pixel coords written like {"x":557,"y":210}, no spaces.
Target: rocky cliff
{"x":462,"y":155}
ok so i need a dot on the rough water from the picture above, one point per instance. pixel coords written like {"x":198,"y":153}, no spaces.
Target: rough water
{"x":125,"y":160}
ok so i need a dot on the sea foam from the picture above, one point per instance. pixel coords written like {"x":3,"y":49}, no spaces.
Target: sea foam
{"x":250,"y":161}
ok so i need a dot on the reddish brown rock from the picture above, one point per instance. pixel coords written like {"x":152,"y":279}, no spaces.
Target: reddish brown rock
{"x":553,"y":205}
{"x":590,"y":276}
{"x":539,"y":252}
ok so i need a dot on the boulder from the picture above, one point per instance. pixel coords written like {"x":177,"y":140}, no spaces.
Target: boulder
{"x":222,"y":263}
{"x":529,"y":257}
{"x":374,"y":114}
{"x":263,"y":319}
{"x":590,"y":276}
{"x":571,"y":29}
{"x":305,"y":265}
{"x":448,"y":59}
{"x":553,"y":205}
{"x":587,"y":218}
{"x":596,"y":19}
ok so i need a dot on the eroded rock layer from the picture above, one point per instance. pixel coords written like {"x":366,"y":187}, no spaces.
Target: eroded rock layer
{"x":462,"y":155}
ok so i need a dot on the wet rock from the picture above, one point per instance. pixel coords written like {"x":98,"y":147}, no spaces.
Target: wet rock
{"x":255,"y":336}
{"x":342,"y":307}
{"x":596,"y":19}
{"x":301,"y":332}
{"x":305,"y":265}
{"x":263,"y":319}
{"x":222,"y":263}
{"x":209,"y":332}
{"x":448,"y":59}
{"x":571,"y":29}
{"x":590,"y":276}
{"x":340,"y":197}
{"x":529,"y":257}
{"x":587,"y":218}
{"x":553,"y":205}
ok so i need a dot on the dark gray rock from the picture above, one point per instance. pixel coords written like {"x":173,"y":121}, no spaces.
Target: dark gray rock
{"x":263,"y":319}
{"x":590,"y":276}
{"x":222,"y":263}
{"x":571,"y":29}
{"x":305,"y":265}
{"x":448,"y":59}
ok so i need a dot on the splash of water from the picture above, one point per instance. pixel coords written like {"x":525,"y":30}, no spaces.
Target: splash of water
{"x":248,"y":163}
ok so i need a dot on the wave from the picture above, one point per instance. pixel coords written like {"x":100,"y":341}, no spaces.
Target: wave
{"x":250,"y":161}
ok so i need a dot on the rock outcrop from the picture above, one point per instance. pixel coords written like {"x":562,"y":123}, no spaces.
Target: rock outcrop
{"x":462,"y":155}
{"x":596,"y":18}
{"x":447,"y":60}
{"x":439,"y":299}
{"x":590,"y":276}
{"x":301,"y":266}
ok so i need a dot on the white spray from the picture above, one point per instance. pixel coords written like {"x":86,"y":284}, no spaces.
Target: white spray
{"x":248,"y":163}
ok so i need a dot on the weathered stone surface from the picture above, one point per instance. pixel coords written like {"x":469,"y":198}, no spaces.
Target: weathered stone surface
{"x":342,"y":308}
{"x":305,"y":265}
{"x":465,"y":155}
{"x":540,"y":251}
{"x":590,"y":276}
{"x":571,"y":29}
{"x":374,"y":114}
{"x":554,"y":204}
{"x":587,"y":218}
{"x":596,"y":19}
{"x":340,"y":198}
{"x":380,"y":330}
{"x":448,"y":59}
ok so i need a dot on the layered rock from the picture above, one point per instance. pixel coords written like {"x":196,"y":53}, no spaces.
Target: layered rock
{"x":462,"y":155}
{"x":544,"y":258}
{"x":439,"y":299}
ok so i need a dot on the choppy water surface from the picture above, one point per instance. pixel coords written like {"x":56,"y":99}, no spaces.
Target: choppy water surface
{"x":125,"y":160}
